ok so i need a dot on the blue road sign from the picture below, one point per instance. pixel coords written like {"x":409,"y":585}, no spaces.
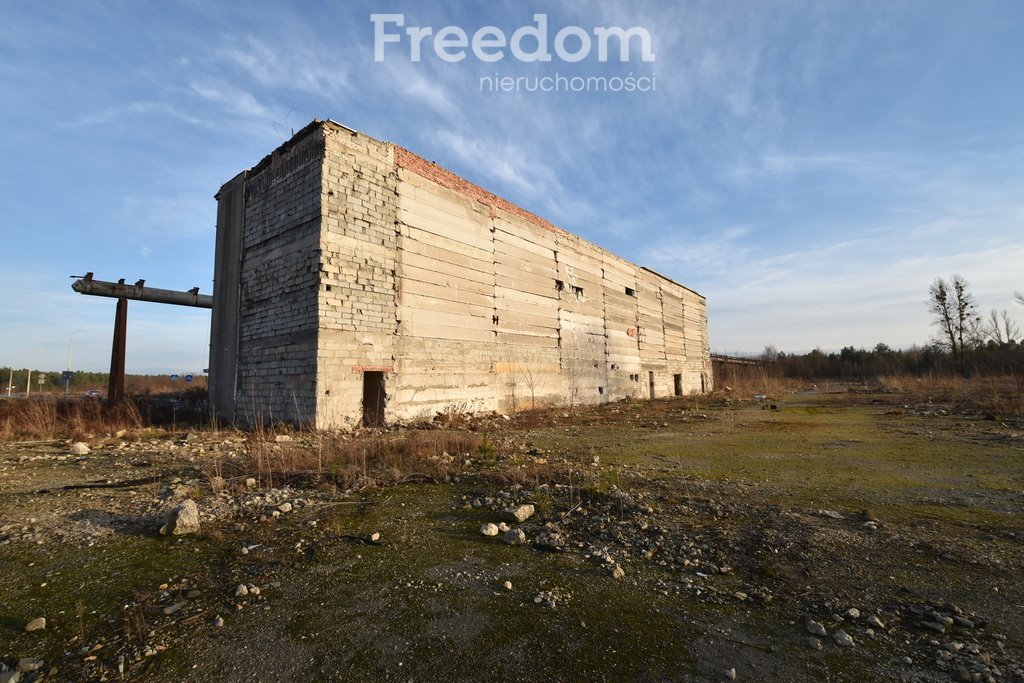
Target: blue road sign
{"x":188,"y":378}
{"x":174,"y":378}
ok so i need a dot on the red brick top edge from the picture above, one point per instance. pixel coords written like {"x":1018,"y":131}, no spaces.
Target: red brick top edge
{"x":445,"y":178}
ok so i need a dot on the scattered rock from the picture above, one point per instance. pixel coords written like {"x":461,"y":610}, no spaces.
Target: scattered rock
{"x":520,"y":513}
{"x":829,"y":513}
{"x":489,"y":529}
{"x":37,"y":624}
{"x":875,"y":622}
{"x":284,"y":507}
{"x":507,"y":585}
{"x":843,"y":639}
{"x":618,"y":572}
{"x":730,"y":674}
{"x":814,"y":643}
{"x":374,"y":537}
{"x":514,"y":537}
{"x":219,"y":621}
{"x":241,"y":591}
{"x":183,"y":519}
{"x":282,"y":438}
{"x":934,"y":626}
{"x":250,"y":483}
{"x":815,"y":628}
{"x":853,"y":613}
{"x":79,"y":448}
{"x":10,"y":676}
{"x":29,"y":664}
{"x":171,"y":609}
{"x":906,"y":660}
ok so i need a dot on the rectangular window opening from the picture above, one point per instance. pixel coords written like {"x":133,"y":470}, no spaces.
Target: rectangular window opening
{"x":559,"y":285}
{"x":630,"y":291}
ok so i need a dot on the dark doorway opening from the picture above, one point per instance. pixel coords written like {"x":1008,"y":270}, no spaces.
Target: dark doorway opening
{"x":650,"y":382}
{"x":677,"y":380}
{"x":702,"y":388}
{"x":373,"y":399}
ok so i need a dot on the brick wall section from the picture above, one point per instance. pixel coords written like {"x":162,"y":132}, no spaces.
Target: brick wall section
{"x":278,"y":286}
{"x":356,"y":307}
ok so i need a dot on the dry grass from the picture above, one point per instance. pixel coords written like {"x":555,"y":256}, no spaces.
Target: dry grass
{"x":747,"y":381}
{"x":46,"y":419}
{"x":1002,"y":394}
{"x":357,"y":461}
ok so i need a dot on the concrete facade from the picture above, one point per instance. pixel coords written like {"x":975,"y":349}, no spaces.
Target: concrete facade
{"x":356,"y":281}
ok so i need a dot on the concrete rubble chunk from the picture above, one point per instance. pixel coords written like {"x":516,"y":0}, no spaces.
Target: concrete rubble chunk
{"x":489,"y":529}
{"x":514,"y":537}
{"x":182,"y":519}
{"x":815,"y":628}
{"x":519,"y":513}
{"x":29,"y":664}
{"x":843,"y":639}
{"x":79,"y":448}
{"x":37,"y":624}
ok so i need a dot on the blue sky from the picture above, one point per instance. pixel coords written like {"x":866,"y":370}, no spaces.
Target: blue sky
{"x":809,"y":167}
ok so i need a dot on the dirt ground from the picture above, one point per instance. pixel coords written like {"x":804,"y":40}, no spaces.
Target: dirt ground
{"x":830,"y":535}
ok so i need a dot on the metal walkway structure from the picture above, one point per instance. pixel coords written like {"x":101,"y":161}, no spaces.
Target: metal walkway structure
{"x":138,"y":292}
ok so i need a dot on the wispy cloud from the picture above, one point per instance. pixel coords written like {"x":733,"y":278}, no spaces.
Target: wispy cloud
{"x":233,"y":100}
{"x":310,"y":67}
{"x":137,"y":108}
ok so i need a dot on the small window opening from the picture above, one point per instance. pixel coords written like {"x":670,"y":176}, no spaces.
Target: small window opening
{"x":630,"y":291}
{"x":559,"y":285}
{"x":600,"y":390}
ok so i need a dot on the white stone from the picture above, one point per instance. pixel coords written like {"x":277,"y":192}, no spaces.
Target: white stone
{"x":489,"y":529}
{"x":79,"y":448}
{"x":183,"y":519}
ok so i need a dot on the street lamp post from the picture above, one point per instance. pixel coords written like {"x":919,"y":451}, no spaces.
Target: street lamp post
{"x":67,"y":377}
{"x":28,"y":381}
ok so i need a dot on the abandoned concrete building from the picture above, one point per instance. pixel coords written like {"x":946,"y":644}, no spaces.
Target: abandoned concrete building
{"x":356,"y":282}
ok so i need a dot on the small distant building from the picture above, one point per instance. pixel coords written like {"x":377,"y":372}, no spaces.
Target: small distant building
{"x":356,"y":282}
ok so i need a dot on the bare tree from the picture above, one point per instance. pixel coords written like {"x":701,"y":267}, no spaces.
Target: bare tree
{"x":954,"y":309}
{"x":1010,"y":329}
{"x":1019,"y":297}
{"x":993,"y":327}
{"x":1000,"y":327}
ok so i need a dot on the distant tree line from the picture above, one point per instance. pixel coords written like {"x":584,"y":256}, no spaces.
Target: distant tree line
{"x":990,"y":358}
{"x":84,"y":381}
{"x":966,"y":343}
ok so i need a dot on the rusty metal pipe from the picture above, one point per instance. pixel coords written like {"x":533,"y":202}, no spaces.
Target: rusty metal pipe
{"x":139,"y":292}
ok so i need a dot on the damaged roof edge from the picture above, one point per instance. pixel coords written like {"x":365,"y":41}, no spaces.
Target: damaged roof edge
{"x":498,"y":202}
